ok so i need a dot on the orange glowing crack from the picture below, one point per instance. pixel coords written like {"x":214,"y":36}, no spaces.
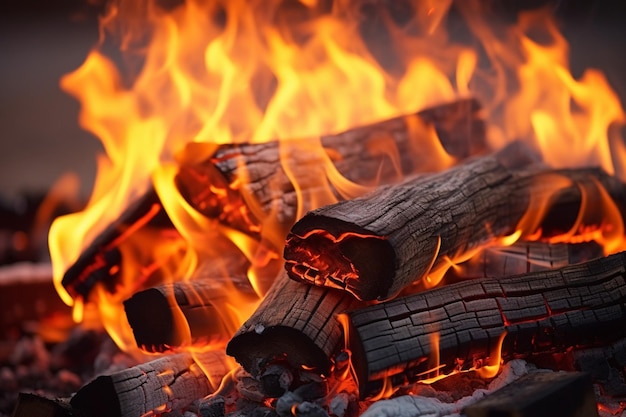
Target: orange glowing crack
{"x":319,"y":262}
{"x":142,"y":221}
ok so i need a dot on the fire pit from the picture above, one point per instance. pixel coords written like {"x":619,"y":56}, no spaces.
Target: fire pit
{"x":344,"y":208}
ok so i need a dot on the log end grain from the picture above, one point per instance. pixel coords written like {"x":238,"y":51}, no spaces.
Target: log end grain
{"x":150,"y":316}
{"x":329,"y":252}
{"x":254,"y":350}
{"x":97,"y":399}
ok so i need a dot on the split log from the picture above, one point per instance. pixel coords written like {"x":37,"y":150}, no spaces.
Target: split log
{"x":540,"y":313}
{"x":522,"y":258}
{"x":381,"y":152}
{"x":540,"y":394}
{"x":294,"y":322}
{"x":101,"y":261}
{"x":376,"y":245}
{"x":163,"y":385}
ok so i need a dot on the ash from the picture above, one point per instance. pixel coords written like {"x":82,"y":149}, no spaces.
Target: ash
{"x":55,"y":370}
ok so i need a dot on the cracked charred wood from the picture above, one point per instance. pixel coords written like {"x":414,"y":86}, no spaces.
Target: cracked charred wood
{"x":165,"y":384}
{"x":540,"y":394}
{"x":186,"y":312}
{"x":294,"y":322}
{"x":523,"y":257}
{"x":101,"y":261}
{"x":252,"y":175}
{"x":538,"y":314}
{"x":376,"y":245}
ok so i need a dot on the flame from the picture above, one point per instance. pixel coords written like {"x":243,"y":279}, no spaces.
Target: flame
{"x":215,"y":72}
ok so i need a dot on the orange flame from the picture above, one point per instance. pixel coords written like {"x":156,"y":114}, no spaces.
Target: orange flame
{"x":218,"y":72}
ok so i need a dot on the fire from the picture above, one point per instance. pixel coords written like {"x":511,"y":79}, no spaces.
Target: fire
{"x":188,"y":77}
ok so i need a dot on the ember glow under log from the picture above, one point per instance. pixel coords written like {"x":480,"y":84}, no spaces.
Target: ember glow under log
{"x":539,"y":313}
{"x":376,"y":245}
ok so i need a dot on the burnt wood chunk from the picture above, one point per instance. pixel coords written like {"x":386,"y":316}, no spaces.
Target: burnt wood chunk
{"x":184,"y":313}
{"x":376,"y":245}
{"x":540,"y":394}
{"x":101,"y":261}
{"x":234,"y":177}
{"x":295,"y":322}
{"x":165,"y":384}
{"x":234,"y":182}
{"x":577,"y":306}
{"x":32,"y":405}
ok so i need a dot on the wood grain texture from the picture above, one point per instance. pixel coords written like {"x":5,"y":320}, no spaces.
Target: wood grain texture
{"x":376,"y":245}
{"x":294,"y":321}
{"x":542,"y":312}
{"x":165,"y":384}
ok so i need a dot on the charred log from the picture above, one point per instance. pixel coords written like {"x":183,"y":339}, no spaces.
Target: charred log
{"x":540,"y":394}
{"x":522,"y":258}
{"x":540,"y":313}
{"x":214,"y":186}
{"x":378,"y":244}
{"x":381,"y":152}
{"x":183,"y":313}
{"x":165,"y":384}
{"x":31,"y":405}
{"x":294,"y":322}
{"x":101,"y":261}
{"x":27,"y":294}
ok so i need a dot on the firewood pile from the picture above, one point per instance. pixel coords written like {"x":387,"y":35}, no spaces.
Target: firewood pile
{"x":378,"y":296}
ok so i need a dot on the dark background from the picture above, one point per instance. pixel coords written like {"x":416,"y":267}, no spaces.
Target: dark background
{"x":42,"y":40}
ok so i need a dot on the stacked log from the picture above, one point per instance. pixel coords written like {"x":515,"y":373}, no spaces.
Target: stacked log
{"x":236,"y":184}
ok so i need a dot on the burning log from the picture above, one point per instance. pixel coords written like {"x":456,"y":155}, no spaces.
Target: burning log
{"x":540,"y":394}
{"x":294,"y":322}
{"x":376,"y":245}
{"x":158,"y":315}
{"x":101,"y":261}
{"x":381,"y":152}
{"x":540,"y":313}
{"x":210,"y":185}
{"x":165,"y":384}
